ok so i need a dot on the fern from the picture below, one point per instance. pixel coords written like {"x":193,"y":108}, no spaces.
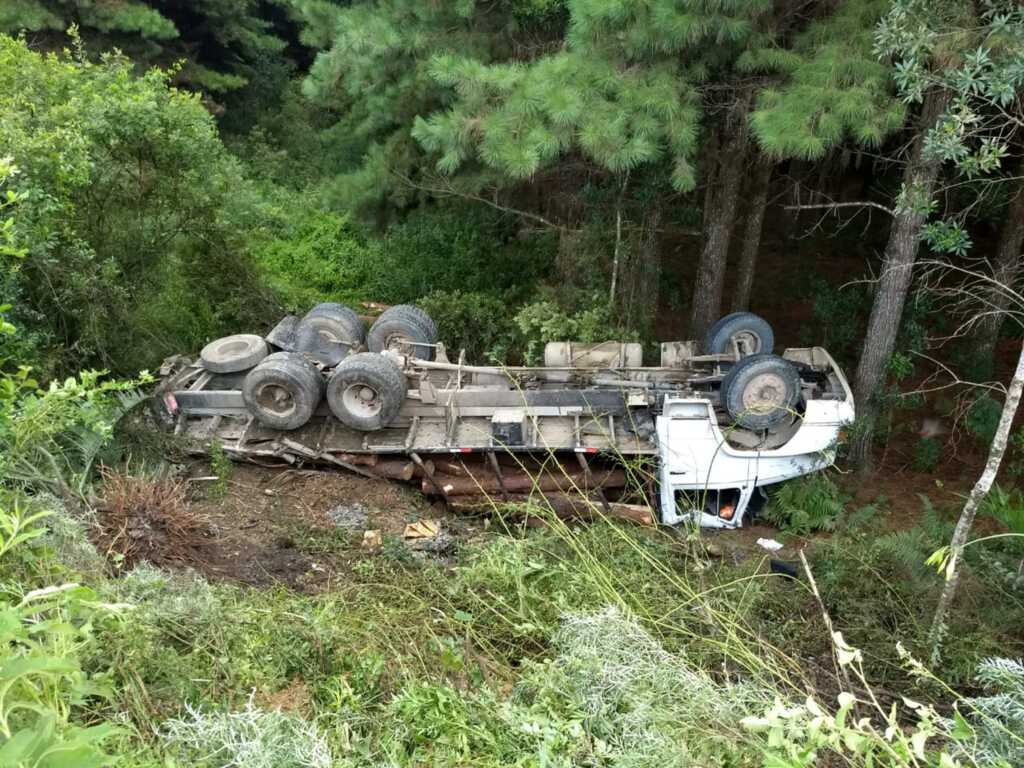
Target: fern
{"x":806,"y":505}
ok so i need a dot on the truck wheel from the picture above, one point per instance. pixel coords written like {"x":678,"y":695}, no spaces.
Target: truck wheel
{"x":329,"y":332}
{"x":232,"y":354}
{"x":405,"y":329}
{"x":760,"y":391}
{"x":751,"y":334}
{"x":283,"y":391}
{"x":366,"y":391}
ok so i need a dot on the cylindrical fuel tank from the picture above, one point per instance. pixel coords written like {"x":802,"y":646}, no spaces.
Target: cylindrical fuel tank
{"x":604,"y":354}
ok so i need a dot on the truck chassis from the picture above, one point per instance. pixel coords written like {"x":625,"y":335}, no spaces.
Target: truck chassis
{"x":708,"y":469}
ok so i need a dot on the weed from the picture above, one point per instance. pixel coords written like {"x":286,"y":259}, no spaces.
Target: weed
{"x":143,"y":519}
{"x":927,"y":454}
{"x":999,"y":717}
{"x":805,"y":505}
{"x":221,"y":466}
{"x":249,"y":738}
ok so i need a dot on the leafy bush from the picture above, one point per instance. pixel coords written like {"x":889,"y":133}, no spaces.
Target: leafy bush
{"x":476,"y":322}
{"x":544,"y":321}
{"x":927,"y":454}
{"x":325,"y":256}
{"x":129,"y":213}
{"x":43,"y":632}
{"x":808,"y":504}
{"x":50,"y":438}
{"x":982,"y":418}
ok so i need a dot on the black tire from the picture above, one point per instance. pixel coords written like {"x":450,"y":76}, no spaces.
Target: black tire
{"x":283,"y":391}
{"x":232,"y":354}
{"x":760,"y":391}
{"x":336,"y":323}
{"x":329,"y":332}
{"x":406,"y":329}
{"x":754,"y":334}
{"x":366,"y":391}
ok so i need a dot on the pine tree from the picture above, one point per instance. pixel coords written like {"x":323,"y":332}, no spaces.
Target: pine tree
{"x":219,"y":41}
{"x":376,"y":71}
{"x":757,"y":202}
{"x":1007,"y":267}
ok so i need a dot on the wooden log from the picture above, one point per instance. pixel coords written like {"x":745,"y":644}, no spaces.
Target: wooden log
{"x":395,"y":470}
{"x":517,"y":483}
{"x":565,"y":506}
{"x":360,"y":459}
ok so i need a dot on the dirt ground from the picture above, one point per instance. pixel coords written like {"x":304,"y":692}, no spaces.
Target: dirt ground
{"x":302,"y":528}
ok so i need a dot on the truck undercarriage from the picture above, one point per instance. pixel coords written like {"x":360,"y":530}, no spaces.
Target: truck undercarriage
{"x":716,"y":427}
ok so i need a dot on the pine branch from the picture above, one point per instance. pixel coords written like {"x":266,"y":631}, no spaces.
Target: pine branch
{"x":858,"y":204}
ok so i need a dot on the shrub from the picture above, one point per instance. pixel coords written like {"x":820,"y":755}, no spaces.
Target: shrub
{"x":544,"y":321}
{"x":127,"y":213}
{"x":250,"y":738}
{"x":50,"y":438}
{"x":982,"y":418}
{"x":142,"y":519}
{"x":478,"y":323}
{"x":927,"y":454}
{"x":465,"y":249}
{"x":324,"y":258}
{"x":998,"y":718}
{"x":43,"y":633}
{"x":805,"y":505}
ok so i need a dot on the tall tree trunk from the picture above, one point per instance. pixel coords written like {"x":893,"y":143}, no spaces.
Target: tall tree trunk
{"x":981,"y":488}
{"x":757,"y":202}
{"x":1006,"y":269}
{"x":719,"y":221}
{"x":893,"y":283}
{"x":641,"y":274}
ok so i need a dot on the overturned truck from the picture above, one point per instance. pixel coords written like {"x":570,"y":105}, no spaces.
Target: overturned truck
{"x":716,"y":424}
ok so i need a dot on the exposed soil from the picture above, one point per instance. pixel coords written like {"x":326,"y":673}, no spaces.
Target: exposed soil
{"x":302,"y":528}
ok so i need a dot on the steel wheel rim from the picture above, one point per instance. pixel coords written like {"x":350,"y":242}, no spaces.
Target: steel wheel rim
{"x":362,"y":400}
{"x":748,"y":342}
{"x":399,"y":342}
{"x":764,"y":393}
{"x":276,"y":399}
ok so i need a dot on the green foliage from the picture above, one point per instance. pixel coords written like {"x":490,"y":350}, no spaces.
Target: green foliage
{"x":218,"y":42}
{"x":802,"y":735}
{"x":543,"y":321}
{"x":252,"y":738}
{"x":878,"y":588}
{"x":50,"y":438}
{"x":44,"y":632}
{"x":927,"y":454}
{"x":621,"y":91}
{"x":373,"y":72}
{"x":221,"y":466}
{"x":835,"y":88}
{"x":982,"y":418}
{"x":998,"y":718}
{"x":1006,"y":506}
{"x":808,"y":504}
{"x":131,"y":214}
{"x":478,"y":323}
{"x":324,"y":258}
{"x":329,"y":258}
